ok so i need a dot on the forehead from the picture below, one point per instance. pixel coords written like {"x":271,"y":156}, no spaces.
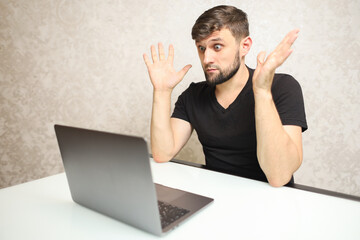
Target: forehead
{"x":223,"y":35}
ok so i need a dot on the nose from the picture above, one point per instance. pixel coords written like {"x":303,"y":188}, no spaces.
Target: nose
{"x":208,"y":57}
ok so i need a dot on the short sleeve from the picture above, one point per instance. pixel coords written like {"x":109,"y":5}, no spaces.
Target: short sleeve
{"x":289,"y":101}
{"x":180,"y":110}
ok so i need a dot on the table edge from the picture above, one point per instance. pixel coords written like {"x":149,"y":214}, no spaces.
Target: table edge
{"x":290,"y":185}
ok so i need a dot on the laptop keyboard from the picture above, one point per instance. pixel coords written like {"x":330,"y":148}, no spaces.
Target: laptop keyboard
{"x":170,"y":213}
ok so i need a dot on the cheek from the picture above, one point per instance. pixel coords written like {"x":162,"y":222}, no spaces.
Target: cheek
{"x":228,"y":57}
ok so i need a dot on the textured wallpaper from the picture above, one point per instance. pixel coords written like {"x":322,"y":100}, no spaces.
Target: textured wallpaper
{"x":80,"y":63}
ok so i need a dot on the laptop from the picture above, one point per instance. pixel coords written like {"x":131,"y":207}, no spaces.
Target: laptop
{"x":110,"y":173}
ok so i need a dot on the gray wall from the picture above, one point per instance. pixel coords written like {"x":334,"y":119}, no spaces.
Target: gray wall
{"x":80,"y":63}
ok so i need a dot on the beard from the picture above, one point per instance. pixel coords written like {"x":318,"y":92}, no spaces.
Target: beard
{"x":223,"y":75}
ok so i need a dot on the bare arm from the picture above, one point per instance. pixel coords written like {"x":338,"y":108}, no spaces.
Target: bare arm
{"x":168,"y":136}
{"x":279,"y":148}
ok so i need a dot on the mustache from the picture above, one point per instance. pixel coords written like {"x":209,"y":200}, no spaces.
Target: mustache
{"x":211,"y":66}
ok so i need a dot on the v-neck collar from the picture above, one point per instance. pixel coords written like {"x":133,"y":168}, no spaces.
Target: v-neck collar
{"x":245,"y":91}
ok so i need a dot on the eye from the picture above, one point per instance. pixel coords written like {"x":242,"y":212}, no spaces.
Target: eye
{"x":217,"y":47}
{"x":201,"y":48}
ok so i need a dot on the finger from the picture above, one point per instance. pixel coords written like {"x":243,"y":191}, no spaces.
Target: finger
{"x":154,"y":53}
{"x":171,"y":53}
{"x":261,"y":58}
{"x":161,"y":51}
{"x":286,"y":55}
{"x":276,"y":59}
{"x":289,"y":39}
{"x":183,"y":71}
{"x":146,"y":60}
{"x":283,"y":50}
{"x":292,"y":36}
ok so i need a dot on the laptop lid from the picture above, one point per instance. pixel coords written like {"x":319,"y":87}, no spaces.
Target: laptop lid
{"x":110,"y":173}
{"x":107,"y":173}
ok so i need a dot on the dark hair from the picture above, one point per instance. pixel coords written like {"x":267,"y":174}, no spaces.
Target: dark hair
{"x":218,"y":18}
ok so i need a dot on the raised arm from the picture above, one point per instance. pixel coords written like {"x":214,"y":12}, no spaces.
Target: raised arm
{"x":279,"y":148}
{"x":168,"y":135}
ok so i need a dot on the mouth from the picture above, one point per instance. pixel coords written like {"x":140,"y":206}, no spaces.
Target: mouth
{"x":210,"y":70}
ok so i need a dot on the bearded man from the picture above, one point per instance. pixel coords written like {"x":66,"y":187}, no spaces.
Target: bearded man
{"x":249,"y":122}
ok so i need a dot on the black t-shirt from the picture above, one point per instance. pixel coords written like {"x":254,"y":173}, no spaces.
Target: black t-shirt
{"x":228,"y":135}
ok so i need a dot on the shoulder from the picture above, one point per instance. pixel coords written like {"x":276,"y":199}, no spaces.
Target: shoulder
{"x":198,"y":86}
{"x":284,"y":81}
{"x":289,"y":101}
{"x":285,"y":86}
{"x":191,"y":98}
{"x":196,"y":89}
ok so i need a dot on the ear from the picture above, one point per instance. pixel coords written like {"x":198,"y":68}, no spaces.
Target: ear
{"x":245,"y":45}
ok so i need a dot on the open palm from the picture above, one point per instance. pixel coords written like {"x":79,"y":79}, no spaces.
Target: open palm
{"x":162,"y":74}
{"x":265,"y":70}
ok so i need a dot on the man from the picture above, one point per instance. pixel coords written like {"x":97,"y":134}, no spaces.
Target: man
{"x":249,"y":122}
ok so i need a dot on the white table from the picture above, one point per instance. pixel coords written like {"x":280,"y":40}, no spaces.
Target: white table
{"x":242,"y":209}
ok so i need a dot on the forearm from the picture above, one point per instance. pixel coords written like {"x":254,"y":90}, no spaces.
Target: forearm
{"x":162,"y":140}
{"x":277,"y":154}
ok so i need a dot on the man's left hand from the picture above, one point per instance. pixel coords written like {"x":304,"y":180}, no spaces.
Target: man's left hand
{"x":265,"y":70}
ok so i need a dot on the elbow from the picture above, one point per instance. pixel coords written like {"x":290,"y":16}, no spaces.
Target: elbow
{"x":276,"y":183}
{"x":160,"y":159}
{"x":279,"y":181}
{"x":280,"y":176}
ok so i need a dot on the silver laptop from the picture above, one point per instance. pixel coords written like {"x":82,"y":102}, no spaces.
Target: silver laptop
{"x":110,"y":173}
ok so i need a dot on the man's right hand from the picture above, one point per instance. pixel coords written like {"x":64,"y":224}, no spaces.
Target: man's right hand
{"x":168,"y":135}
{"x":161,"y":71}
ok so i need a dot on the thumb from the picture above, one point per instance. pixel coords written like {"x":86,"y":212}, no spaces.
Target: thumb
{"x":183,"y":71}
{"x":261,"y":58}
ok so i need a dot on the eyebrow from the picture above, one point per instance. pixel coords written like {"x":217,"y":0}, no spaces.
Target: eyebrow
{"x":216,"y":39}
{"x":212,"y":40}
